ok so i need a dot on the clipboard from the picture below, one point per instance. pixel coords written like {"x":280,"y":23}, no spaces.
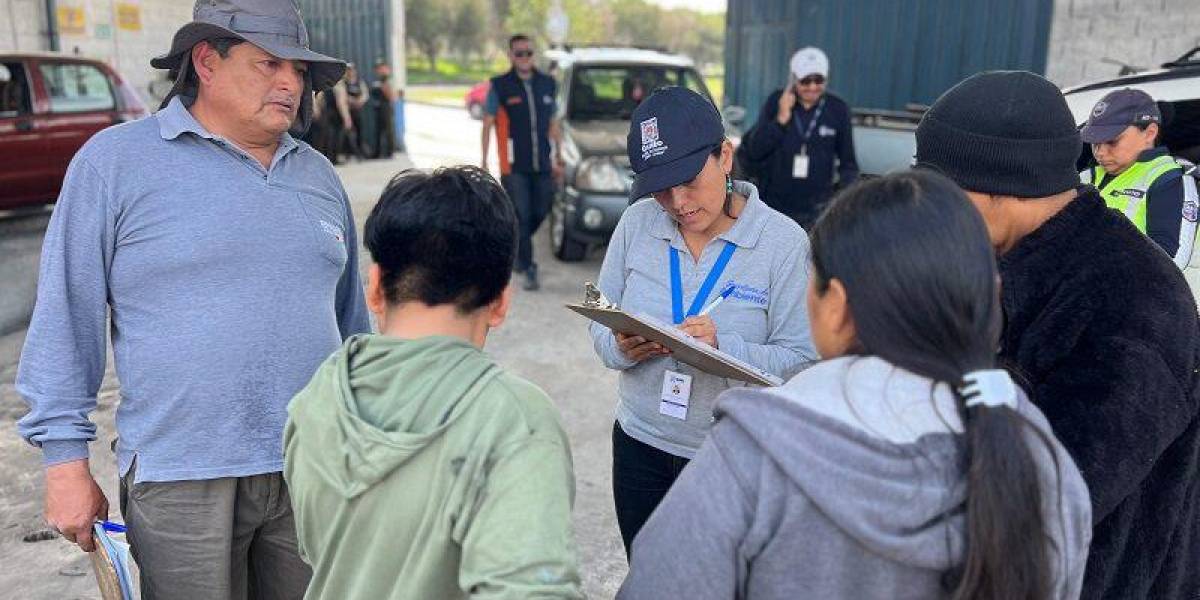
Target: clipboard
{"x":683,"y":347}
{"x":111,"y":562}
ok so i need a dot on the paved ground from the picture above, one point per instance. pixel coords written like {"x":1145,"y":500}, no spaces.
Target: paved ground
{"x":542,"y":341}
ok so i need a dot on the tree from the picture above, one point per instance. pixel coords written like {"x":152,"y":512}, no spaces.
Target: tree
{"x":637,"y":23}
{"x":468,"y":32}
{"x":426,"y":23}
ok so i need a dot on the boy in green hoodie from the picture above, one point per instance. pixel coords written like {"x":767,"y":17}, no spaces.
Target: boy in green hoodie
{"x":419,"y":468}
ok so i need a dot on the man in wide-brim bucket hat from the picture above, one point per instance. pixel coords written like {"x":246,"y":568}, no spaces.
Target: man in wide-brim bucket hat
{"x":220,"y":255}
{"x":273,"y":25}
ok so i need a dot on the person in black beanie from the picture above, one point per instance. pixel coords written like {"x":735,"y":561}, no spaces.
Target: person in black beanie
{"x":1100,"y":326}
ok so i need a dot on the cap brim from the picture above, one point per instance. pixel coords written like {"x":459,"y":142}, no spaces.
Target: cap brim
{"x":325,"y":71}
{"x":669,"y":175}
{"x":1098,"y":134}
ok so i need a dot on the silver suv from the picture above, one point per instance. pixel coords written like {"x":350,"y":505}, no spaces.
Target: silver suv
{"x":599,"y":88}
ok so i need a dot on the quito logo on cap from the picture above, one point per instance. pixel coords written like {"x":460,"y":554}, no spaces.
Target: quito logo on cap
{"x":1100,"y":108}
{"x":651,"y":145}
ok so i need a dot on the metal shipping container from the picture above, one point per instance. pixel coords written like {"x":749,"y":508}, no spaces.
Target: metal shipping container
{"x":356,"y":31}
{"x":883,"y":54}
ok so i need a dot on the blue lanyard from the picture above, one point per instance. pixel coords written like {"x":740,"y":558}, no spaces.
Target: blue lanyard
{"x":806,"y":133}
{"x":705,"y":288}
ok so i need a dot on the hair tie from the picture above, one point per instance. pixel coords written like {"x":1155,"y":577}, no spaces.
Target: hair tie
{"x":993,"y":388}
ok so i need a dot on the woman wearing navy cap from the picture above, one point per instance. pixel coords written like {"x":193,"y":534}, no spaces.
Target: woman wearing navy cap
{"x":701,"y":236}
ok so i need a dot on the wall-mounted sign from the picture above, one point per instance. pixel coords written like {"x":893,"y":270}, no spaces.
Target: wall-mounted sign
{"x":129,"y":16}
{"x":71,"y":20}
{"x":103,"y":31}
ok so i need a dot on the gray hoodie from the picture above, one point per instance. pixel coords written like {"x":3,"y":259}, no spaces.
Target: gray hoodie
{"x":844,"y":483}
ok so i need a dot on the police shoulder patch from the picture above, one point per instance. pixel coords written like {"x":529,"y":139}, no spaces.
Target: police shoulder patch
{"x":1191,"y":212}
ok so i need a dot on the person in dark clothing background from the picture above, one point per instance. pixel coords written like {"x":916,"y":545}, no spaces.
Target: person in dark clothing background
{"x":356,"y":92}
{"x":802,"y":138}
{"x":1100,"y":326}
{"x":521,"y":109}
{"x":383,"y":96}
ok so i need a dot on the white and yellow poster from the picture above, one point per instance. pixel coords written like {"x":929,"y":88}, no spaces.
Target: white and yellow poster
{"x":129,"y":16}
{"x":71,"y":20}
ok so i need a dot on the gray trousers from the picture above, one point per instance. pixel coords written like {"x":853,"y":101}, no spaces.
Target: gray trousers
{"x":215,"y":539}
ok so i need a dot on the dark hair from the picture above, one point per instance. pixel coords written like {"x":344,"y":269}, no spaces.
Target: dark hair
{"x":222,"y":45}
{"x":921,"y":282}
{"x":727,"y":207}
{"x":444,"y":237}
{"x":520,"y":37}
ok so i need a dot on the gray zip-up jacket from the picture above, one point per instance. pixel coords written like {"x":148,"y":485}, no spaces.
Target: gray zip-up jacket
{"x":844,"y":483}
{"x":763,"y":322}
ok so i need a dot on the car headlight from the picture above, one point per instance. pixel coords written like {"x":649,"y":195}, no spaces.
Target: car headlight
{"x":600,"y":174}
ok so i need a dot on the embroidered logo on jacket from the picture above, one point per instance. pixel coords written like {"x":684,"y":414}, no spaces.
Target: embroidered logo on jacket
{"x":748,"y":293}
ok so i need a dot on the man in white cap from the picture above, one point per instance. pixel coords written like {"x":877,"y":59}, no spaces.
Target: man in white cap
{"x":220,"y":256}
{"x":802,"y":140}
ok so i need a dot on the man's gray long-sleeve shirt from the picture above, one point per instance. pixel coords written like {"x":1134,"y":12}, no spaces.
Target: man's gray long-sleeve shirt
{"x":227,"y":284}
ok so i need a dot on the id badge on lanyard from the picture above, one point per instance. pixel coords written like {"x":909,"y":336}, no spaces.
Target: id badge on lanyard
{"x":677,"y":387}
{"x":800,"y":161}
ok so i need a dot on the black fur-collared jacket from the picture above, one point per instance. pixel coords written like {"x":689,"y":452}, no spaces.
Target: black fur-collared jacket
{"x":1101,"y":326}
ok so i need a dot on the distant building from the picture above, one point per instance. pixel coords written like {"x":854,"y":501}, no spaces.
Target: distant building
{"x":885,"y":54}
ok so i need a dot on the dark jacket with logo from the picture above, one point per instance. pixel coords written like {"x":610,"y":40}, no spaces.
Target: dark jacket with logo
{"x":771,"y":149}
{"x":1101,"y":326}
{"x":524,"y":122}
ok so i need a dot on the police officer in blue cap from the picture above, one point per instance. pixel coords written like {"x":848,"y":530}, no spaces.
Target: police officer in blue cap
{"x":1138,"y":177}
{"x":704,"y":252}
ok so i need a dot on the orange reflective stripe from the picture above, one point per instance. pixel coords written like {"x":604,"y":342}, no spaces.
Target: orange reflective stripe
{"x":502,"y":140}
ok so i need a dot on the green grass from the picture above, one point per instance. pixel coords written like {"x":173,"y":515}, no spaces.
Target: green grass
{"x":452,"y":71}
{"x":716,"y":86}
{"x":446,"y":95}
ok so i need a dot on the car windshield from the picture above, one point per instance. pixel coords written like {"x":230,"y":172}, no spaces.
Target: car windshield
{"x":612,"y":92}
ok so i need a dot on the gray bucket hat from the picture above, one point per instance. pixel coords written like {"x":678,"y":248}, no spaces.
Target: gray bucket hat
{"x":273,"y":25}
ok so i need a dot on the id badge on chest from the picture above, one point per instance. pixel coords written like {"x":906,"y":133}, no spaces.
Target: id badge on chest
{"x":800,"y":166}
{"x":676,"y":392}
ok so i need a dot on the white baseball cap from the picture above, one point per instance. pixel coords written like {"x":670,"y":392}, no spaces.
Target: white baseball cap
{"x":809,"y":61}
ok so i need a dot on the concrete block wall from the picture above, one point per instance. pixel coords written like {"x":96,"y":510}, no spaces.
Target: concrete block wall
{"x":129,"y":51}
{"x":1143,"y":33}
{"x":21,"y":25}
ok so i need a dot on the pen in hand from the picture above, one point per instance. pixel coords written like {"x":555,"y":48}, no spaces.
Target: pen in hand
{"x":717,"y":301}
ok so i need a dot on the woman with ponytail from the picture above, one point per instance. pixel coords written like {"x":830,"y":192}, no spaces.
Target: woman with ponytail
{"x":905,"y":465}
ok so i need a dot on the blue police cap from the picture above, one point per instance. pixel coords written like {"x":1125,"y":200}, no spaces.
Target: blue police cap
{"x":670,"y":137}
{"x":1116,"y":111}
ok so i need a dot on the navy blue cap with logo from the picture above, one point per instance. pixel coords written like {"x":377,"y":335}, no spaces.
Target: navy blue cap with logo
{"x":670,"y":138}
{"x":1116,"y":111}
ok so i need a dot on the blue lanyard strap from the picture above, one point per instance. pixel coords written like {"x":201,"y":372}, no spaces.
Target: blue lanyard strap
{"x":705,"y":289}
{"x":806,"y":133}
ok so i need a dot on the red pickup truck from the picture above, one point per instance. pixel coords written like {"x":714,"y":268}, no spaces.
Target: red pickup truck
{"x":50,"y":104}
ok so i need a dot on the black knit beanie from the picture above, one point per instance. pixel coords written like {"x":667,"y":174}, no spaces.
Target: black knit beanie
{"x":1006,"y":133}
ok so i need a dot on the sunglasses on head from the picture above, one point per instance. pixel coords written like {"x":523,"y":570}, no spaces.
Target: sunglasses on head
{"x":523,"y":53}
{"x":812,"y":80}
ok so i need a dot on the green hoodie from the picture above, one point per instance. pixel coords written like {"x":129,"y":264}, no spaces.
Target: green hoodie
{"x":419,"y":469}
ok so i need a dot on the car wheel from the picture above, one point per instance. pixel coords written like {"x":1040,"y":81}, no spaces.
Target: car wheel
{"x":565,"y":248}
{"x":476,"y":110}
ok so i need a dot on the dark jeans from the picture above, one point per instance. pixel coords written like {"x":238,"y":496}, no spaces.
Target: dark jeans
{"x":385,"y":134}
{"x":531,"y":195}
{"x":642,"y":474}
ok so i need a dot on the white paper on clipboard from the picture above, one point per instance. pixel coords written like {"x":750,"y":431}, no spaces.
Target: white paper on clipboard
{"x":683,"y":347}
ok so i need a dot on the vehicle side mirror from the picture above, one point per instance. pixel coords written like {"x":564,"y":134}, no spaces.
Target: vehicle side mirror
{"x":5,"y":74}
{"x":736,"y":115}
